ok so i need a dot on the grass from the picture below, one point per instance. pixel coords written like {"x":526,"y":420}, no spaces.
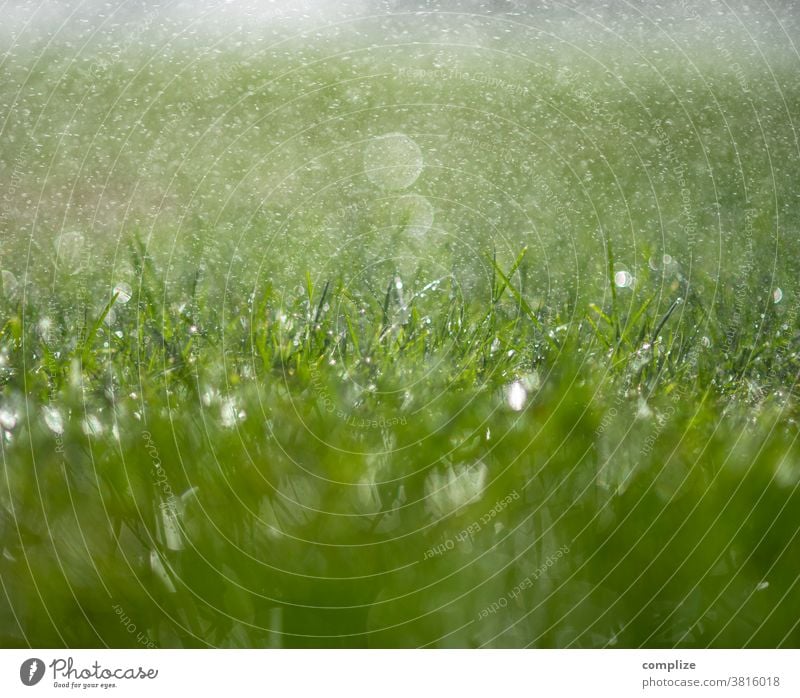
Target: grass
{"x":249,"y":399}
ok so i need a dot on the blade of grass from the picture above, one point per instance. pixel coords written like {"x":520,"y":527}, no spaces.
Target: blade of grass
{"x":525,"y":307}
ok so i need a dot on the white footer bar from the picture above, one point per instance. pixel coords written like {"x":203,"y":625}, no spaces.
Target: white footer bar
{"x":400,"y":673}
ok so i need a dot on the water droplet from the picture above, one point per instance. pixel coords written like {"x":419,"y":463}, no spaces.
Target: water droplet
{"x":45,"y":328}
{"x":8,"y":420}
{"x":623,"y":279}
{"x":516,"y":396}
{"x":413,"y":213}
{"x":392,"y":161}
{"x":53,"y":420}
{"x":92,"y":426}
{"x":210,"y":396}
{"x":123,"y":292}
{"x":230,"y":413}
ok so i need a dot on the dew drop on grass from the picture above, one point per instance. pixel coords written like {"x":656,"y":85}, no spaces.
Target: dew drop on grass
{"x":413,"y":213}
{"x":123,"y":292}
{"x":44,"y":328}
{"x":230,"y":413}
{"x":8,"y":420}
{"x":516,"y":396}
{"x":53,"y":420}
{"x":392,"y":161}
{"x":92,"y":426}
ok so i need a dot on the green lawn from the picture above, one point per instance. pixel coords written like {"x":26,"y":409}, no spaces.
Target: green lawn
{"x":341,"y":344}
